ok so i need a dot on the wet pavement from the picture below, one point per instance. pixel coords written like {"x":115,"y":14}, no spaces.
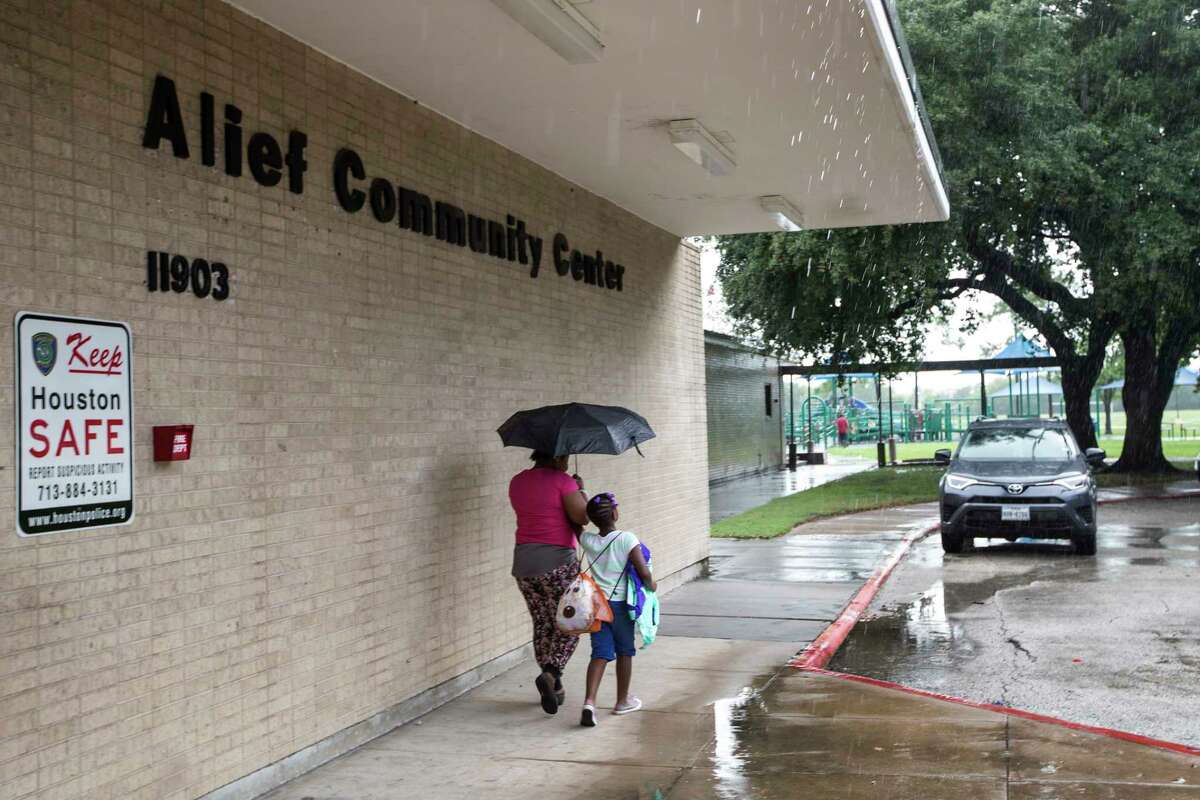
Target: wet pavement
{"x":1110,"y":641}
{"x":742,"y":494}
{"x":719,"y":725}
{"x":787,"y":589}
{"x":725,"y":718}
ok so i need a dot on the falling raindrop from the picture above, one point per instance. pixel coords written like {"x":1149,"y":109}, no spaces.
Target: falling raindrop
{"x":698,"y":11}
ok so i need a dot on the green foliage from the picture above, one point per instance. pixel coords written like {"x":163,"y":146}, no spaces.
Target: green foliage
{"x":1181,"y":452}
{"x":1070,"y":135}
{"x":877,"y":488}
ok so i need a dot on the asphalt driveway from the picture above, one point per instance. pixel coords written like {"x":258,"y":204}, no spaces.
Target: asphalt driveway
{"x":1112,"y":641}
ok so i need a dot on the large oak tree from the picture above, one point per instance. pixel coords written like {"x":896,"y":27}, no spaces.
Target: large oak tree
{"x":1071,"y":143}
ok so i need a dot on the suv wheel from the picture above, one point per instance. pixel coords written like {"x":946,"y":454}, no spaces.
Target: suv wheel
{"x":1085,"y":545}
{"x":952,"y":542}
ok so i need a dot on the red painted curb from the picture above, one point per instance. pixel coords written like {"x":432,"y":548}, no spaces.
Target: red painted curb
{"x":821,"y":649}
{"x":818,"y":653}
{"x":1013,"y":712}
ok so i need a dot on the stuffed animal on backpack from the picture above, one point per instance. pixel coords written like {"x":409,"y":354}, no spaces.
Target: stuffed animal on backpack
{"x":582,"y":607}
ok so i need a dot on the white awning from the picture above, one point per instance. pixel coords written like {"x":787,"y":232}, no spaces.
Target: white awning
{"x":809,"y":100}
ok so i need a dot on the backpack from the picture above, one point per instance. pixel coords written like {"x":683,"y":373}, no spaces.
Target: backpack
{"x":583,"y":607}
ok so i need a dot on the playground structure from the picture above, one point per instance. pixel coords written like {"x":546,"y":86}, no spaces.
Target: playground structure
{"x":810,"y":426}
{"x":813,"y":426}
{"x":940,"y":421}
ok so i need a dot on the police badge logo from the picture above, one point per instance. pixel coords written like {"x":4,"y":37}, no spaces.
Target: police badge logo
{"x":45,"y":352}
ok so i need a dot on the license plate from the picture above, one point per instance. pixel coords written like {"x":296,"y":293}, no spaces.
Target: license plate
{"x":1014,"y":514}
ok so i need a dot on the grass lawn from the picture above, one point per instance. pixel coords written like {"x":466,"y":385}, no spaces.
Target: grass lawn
{"x":1185,"y":417}
{"x":1174,"y":449}
{"x":877,"y":488}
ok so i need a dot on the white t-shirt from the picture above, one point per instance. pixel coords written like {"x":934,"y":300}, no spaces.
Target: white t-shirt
{"x":608,"y":565}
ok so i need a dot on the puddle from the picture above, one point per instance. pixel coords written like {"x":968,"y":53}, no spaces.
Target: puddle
{"x":1185,"y":538}
{"x":732,"y":725}
{"x":934,"y":628}
{"x":925,"y":631}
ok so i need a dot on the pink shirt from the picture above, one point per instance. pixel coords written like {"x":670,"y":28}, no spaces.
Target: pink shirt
{"x":537,"y":496}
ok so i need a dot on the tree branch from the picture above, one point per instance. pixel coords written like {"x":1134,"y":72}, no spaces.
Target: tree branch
{"x":1020,"y":304}
{"x":950,"y":289}
{"x":997,"y":262}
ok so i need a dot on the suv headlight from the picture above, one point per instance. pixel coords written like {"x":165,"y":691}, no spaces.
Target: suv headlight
{"x":958,"y":482}
{"x":1074,"y":482}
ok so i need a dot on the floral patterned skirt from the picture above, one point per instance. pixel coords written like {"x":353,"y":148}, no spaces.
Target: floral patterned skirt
{"x":542,"y":592}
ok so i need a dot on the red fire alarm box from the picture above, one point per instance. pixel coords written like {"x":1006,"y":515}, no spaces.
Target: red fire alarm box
{"x":172,"y":442}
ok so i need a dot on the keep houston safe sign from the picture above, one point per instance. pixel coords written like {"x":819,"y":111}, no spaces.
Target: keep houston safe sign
{"x":74,"y":423}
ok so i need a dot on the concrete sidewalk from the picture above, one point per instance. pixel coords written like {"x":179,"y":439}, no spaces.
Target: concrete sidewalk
{"x":788,"y":589}
{"x":725,"y":718}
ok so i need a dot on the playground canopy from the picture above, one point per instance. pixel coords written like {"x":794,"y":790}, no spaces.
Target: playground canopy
{"x":1049,"y":389}
{"x":1183,"y":377}
{"x":833,"y":376}
{"x":1018,"y":347}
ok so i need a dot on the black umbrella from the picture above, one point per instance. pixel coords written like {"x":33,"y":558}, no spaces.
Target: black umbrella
{"x":576,"y":428}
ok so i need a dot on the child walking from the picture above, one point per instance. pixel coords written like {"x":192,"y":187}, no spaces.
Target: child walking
{"x":609,"y":551}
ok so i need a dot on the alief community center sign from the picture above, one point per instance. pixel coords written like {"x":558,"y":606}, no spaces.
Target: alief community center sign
{"x":74,"y":423}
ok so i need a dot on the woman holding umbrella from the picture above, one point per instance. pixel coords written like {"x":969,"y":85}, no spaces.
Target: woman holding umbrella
{"x":551,"y":508}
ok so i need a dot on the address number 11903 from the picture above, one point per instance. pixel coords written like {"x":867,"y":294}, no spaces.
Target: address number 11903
{"x":174,"y":273}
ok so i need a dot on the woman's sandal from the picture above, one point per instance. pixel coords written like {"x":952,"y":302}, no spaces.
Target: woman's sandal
{"x":545,"y":687}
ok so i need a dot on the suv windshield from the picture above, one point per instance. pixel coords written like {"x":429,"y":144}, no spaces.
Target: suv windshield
{"x":1016,"y":444}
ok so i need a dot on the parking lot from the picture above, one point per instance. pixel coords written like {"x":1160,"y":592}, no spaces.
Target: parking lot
{"x":1109,"y":640}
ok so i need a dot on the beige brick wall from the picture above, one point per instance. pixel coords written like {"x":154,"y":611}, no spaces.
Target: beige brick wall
{"x":341,"y":539}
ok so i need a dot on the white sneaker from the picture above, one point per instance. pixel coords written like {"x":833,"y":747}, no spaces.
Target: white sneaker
{"x":630,"y":705}
{"x":588,"y":718}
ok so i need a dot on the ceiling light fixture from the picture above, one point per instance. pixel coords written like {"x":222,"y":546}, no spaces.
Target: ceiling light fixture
{"x":695,"y":142}
{"x":560,"y":26}
{"x":785,"y":215}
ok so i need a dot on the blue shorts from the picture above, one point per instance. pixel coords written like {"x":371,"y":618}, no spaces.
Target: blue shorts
{"x":614,"y":638}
